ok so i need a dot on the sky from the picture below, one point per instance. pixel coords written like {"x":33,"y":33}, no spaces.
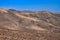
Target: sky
{"x":31,"y":5}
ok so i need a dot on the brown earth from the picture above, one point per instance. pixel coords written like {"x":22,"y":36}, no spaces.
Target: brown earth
{"x":16,"y":25}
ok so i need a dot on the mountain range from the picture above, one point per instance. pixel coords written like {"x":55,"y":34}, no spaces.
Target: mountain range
{"x":28,"y":25}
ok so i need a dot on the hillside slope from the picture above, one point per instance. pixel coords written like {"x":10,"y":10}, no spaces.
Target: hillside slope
{"x":15,"y":25}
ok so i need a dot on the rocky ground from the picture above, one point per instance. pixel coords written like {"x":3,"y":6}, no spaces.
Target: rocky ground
{"x":15,"y":25}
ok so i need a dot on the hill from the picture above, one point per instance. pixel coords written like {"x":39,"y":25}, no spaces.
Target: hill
{"x":17,"y":25}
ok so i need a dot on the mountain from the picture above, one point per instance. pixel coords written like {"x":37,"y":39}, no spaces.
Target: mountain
{"x":19,"y":25}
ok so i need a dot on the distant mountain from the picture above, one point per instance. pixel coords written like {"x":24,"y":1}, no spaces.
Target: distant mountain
{"x":28,"y":25}
{"x":13,"y":10}
{"x":27,"y":11}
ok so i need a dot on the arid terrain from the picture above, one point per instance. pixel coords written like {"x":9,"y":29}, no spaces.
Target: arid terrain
{"x":19,"y":25}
